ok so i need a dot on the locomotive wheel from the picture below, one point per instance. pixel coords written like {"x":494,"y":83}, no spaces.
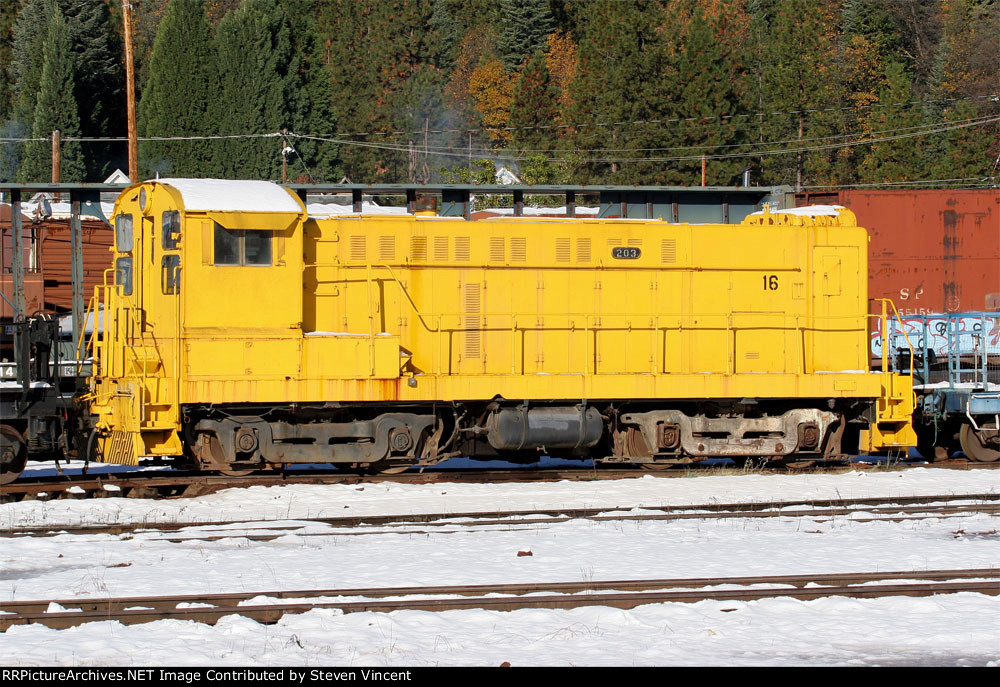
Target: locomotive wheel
{"x":635,"y":444}
{"x":13,"y":452}
{"x":975,"y":448}
{"x":208,"y":451}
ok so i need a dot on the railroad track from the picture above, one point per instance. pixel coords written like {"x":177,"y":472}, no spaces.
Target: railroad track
{"x":879,"y":508}
{"x":172,"y":484}
{"x":269,"y":606}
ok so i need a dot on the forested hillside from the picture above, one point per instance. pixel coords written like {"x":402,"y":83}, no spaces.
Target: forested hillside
{"x":810,"y":93}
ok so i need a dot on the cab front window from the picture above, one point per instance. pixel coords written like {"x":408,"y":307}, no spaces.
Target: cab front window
{"x":123,"y":233}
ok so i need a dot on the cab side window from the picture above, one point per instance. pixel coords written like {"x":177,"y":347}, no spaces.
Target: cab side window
{"x":242,"y":247}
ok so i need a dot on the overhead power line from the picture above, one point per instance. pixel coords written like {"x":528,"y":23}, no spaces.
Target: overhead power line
{"x":993,"y":98}
{"x":750,"y":149}
{"x":464,"y":151}
{"x":965,"y":181}
{"x":758,"y":152}
{"x":754,"y":115}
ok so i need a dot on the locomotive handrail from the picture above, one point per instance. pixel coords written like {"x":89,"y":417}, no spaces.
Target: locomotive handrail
{"x":609,"y":267}
{"x":885,"y":330}
{"x":91,"y":307}
{"x":886,"y":406}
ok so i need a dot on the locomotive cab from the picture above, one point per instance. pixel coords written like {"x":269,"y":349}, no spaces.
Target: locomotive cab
{"x":205,"y":284}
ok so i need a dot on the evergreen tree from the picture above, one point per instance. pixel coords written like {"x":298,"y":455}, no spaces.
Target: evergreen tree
{"x":256,"y":71}
{"x":625,"y":77}
{"x":526,"y":28}
{"x":870,"y":44}
{"x":177,"y":96}
{"x":146,"y":18}
{"x":8,"y":13}
{"x":310,"y":98}
{"x":968,"y":152}
{"x":384,"y":87}
{"x":443,"y":23}
{"x":917,"y":28}
{"x":965,"y":68}
{"x":900,"y":159}
{"x":95,"y":52}
{"x":99,"y":86}
{"x":30,"y":31}
{"x":709,"y":102}
{"x":801,"y":94}
{"x":55,"y":107}
{"x":534,"y":109}
{"x":969,"y":51}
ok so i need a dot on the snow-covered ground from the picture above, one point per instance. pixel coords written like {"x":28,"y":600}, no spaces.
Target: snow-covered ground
{"x":959,"y":629}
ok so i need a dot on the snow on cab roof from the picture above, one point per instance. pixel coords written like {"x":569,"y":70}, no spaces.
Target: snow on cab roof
{"x":227,"y":195}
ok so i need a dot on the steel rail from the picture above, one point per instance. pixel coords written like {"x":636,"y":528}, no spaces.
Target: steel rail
{"x":631,"y":593}
{"x":283,"y":530}
{"x":979,"y":503}
{"x":175,"y":484}
{"x":148,"y":485}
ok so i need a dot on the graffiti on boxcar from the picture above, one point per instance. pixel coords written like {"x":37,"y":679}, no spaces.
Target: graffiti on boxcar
{"x":968,"y":333}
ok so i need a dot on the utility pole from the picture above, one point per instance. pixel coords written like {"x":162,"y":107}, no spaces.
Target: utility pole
{"x":133,"y":142}
{"x":56,"y":156}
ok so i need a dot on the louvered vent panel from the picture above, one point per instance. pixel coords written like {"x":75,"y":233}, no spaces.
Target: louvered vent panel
{"x":635,"y":243}
{"x":583,"y":250}
{"x":441,"y":248}
{"x":496,"y":249}
{"x":668,"y":251}
{"x":614,"y":242}
{"x":418,"y":248}
{"x":562,"y":250}
{"x":518,"y":249}
{"x":462,"y":250}
{"x":358,"y":251}
{"x":473,"y":321}
{"x":387,"y":248}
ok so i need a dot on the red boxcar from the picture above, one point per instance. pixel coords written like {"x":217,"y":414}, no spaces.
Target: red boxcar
{"x":931,"y":251}
{"x":48,"y":261}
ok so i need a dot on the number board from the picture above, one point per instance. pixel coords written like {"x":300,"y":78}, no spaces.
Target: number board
{"x":625,"y":253}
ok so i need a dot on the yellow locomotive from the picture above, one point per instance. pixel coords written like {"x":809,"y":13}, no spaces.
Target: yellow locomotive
{"x":242,"y":334}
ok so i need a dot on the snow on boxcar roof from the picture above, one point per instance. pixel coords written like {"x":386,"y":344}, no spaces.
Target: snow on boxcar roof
{"x":226,"y":195}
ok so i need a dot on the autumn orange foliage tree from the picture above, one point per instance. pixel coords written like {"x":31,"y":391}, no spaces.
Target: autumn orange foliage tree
{"x":492,"y":91}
